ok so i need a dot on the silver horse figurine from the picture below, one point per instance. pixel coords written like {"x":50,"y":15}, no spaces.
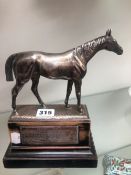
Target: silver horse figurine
{"x":70,"y":65}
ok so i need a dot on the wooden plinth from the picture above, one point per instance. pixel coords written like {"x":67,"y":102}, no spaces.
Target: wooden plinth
{"x":50,"y":158}
{"x":69,"y":142}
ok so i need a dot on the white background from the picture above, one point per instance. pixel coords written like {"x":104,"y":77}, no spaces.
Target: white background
{"x":59,"y":25}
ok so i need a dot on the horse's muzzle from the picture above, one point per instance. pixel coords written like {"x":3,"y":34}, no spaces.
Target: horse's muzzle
{"x":120,"y":51}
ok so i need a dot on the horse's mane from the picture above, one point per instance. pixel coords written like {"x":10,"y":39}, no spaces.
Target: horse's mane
{"x":97,"y":41}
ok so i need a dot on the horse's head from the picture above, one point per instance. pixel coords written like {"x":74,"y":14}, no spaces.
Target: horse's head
{"x":111,"y":44}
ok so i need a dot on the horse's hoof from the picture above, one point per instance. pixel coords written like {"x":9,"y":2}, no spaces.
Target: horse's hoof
{"x":67,"y":106}
{"x":44,"y":106}
{"x":15,"y":112}
{"x":80,"y":110}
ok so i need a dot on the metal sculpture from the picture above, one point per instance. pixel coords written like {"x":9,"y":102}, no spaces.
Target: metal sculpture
{"x":70,"y":65}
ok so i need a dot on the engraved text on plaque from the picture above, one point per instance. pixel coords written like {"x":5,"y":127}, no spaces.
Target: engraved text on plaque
{"x":49,"y":135}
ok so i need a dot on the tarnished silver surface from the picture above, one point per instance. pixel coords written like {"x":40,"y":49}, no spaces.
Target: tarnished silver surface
{"x":28,"y":112}
{"x":49,"y":135}
{"x":70,"y":65}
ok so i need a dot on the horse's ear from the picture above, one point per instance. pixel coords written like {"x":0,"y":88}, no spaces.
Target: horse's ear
{"x":108,"y":32}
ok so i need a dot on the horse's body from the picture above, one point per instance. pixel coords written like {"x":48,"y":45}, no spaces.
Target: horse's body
{"x":50,"y":65}
{"x":69,"y":65}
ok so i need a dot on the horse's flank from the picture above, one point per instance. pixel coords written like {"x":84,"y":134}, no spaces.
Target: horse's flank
{"x":66,"y":65}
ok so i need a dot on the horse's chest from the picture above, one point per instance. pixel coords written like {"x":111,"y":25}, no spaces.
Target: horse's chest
{"x":79,"y":69}
{"x":79,"y":73}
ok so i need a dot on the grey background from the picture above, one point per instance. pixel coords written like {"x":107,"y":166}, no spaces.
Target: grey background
{"x":59,"y":25}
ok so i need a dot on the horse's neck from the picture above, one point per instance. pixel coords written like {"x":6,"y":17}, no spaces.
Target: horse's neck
{"x":92,"y":47}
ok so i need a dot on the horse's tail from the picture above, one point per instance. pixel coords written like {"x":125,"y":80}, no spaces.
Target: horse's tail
{"x":9,"y":68}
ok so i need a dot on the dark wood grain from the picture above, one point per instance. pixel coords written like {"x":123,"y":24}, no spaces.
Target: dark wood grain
{"x":62,"y":141}
{"x":51,"y":159}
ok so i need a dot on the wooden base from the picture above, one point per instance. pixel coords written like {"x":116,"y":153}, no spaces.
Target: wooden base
{"x":27,"y":158}
{"x":63,"y":140}
{"x":66,"y":128}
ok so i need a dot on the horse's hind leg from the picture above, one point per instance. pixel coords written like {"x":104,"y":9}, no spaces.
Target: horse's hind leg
{"x":34,"y":88}
{"x":69,"y":89}
{"x":16,"y":89}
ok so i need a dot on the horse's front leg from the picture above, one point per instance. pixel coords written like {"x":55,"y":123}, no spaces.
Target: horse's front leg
{"x":69,"y":89}
{"x":78,"y":94}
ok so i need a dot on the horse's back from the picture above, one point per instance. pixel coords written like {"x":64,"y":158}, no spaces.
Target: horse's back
{"x":30,"y":53}
{"x":50,"y":65}
{"x":39,"y":56}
